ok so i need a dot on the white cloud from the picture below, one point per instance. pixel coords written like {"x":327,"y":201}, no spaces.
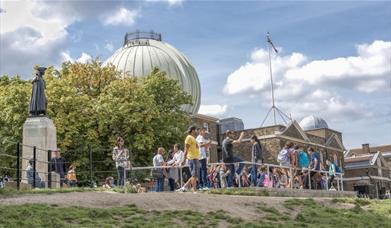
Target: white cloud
{"x":174,"y":2}
{"x":326,"y":104}
{"x":369,"y":71}
{"x":366,"y":72}
{"x":304,"y":87}
{"x":122,"y":16}
{"x":109,"y":46}
{"x":254,"y":76}
{"x":213,"y":110}
{"x":170,"y":2}
{"x":84,"y":57}
{"x":35,"y":32}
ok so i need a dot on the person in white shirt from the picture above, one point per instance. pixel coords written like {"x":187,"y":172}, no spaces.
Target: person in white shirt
{"x":176,"y":160}
{"x":204,"y":145}
{"x":158,"y":161}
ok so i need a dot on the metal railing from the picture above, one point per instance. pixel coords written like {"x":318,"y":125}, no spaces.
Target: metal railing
{"x":132,"y":170}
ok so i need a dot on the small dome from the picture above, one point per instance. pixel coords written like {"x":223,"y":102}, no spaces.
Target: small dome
{"x":313,"y":122}
{"x":143,"y":51}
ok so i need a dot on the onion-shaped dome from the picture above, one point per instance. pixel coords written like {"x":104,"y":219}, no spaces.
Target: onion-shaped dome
{"x":143,"y":51}
{"x":313,"y":122}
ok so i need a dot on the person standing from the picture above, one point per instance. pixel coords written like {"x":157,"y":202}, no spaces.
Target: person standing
{"x":228,"y":155}
{"x":256,"y":156}
{"x":172,"y":172}
{"x":204,"y":145}
{"x":332,"y":174}
{"x":58,"y":165}
{"x":303,"y":158}
{"x":158,"y":161}
{"x":192,"y":154}
{"x":121,"y":156}
{"x":314,"y":164}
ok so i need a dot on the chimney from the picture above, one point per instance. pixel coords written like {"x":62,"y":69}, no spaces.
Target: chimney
{"x":365,"y":148}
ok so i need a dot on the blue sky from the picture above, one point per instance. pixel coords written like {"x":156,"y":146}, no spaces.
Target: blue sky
{"x":334,"y":58}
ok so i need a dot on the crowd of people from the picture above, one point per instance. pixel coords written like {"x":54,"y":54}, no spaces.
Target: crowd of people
{"x":57,"y":165}
{"x":188,"y":167}
{"x":299,"y":167}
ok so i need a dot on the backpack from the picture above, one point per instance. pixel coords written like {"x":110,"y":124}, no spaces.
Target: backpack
{"x":283,"y":156}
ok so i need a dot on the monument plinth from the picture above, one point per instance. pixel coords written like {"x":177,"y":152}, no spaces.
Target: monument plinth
{"x":40,"y":132}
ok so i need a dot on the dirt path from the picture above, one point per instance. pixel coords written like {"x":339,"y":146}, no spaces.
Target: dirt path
{"x":241,"y":206}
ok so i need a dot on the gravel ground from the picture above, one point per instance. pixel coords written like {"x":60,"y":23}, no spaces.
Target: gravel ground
{"x":241,"y":206}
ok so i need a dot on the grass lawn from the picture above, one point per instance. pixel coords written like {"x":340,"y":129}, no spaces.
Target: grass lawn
{"x":296,"y":213}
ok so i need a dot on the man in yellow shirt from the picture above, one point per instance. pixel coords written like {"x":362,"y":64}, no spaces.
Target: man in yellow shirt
{"x":192,"y":154}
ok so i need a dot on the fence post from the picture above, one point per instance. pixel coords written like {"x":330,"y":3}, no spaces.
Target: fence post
{"x":327,"y":182}
{"x":338,"y":186}
{"x":341,"y":174}
{"x":291,"y":177}
{"x":49,"y":169}
{"x":90,"y":151}
{"x":34,"y":164}
{"x":309,"y":179}
{"x":18,"y":166}
{"x":181,"y":173}
{"x":268,"y":175}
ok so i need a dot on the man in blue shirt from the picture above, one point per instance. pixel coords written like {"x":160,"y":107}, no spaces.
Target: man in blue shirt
{"x":314,"y":164}
{"x":315,"y":161}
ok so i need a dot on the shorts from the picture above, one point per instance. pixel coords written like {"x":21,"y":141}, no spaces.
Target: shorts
{"x":194,"y":166}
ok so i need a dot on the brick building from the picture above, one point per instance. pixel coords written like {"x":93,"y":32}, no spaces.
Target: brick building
{"x":368,"y":170}
{"x":326,"y":141}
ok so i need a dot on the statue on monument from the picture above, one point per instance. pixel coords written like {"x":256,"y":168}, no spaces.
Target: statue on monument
{"x":38,"y":103}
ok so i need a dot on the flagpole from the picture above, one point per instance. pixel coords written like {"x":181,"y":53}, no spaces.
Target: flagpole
{"x":271,"y":79}
{"x":270,"y":45}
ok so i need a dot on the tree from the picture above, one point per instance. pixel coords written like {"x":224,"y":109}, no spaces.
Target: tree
{"x":91,"y":106}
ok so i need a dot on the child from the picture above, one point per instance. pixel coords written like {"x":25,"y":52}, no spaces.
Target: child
{"x":71,"y":176}
{"x":224,"y":172}
{"x":263,"y":178}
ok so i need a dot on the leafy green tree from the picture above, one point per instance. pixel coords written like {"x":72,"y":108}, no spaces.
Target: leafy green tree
{"x":91,"y":106}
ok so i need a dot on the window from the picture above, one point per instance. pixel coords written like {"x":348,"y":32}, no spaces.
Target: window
{"x":206,"y":126}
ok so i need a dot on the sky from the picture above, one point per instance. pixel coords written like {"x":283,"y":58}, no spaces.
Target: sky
{"x":333,"y":60}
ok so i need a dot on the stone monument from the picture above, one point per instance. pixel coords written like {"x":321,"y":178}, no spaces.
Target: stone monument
{"x":38,"y":130}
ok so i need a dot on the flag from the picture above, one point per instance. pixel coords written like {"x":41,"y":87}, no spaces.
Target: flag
{"x":271,"y":43}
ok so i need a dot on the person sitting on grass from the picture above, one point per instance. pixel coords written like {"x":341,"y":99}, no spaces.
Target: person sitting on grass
{"x":109,"y":183}
{"x":71,"y":176}
{"x":212,"y":176}
{"x":284,"y":182}
{"x":30,"y":176}
{"x":263,"y":178}
{"x":275,"y":178}
{"x":224,"y":172}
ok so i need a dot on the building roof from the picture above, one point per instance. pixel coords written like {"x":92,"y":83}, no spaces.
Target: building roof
{"x":143,"y":51}
{"x":372,"y":149}
{"x":204,"y":117}
{"x":313,"y":122}
{"x":363,"y":160}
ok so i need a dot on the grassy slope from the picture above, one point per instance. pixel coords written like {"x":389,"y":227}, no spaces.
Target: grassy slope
{"x":365,"y":213}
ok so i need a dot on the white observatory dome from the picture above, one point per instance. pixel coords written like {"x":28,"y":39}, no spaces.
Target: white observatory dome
{"x":313,"y":122}
{"x":143,"y":51}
